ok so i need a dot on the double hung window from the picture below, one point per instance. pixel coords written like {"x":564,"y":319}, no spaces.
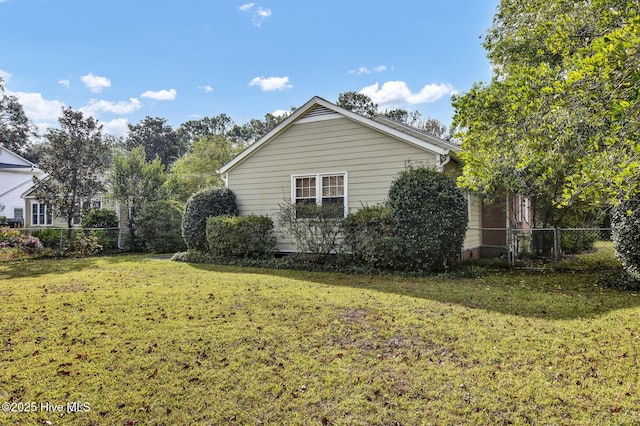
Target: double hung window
{"x":312,"y":194}
{"x":41,"y":214}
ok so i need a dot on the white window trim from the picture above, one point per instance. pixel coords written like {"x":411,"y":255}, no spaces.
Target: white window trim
{"x":319,"y":177}
{"x":47,"y":213}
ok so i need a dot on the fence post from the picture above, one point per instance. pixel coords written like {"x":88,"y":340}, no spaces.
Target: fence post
{"x":557,"y":248}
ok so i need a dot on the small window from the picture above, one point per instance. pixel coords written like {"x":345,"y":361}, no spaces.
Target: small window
{"x":321,"y":190}
{"x":18,"y":215}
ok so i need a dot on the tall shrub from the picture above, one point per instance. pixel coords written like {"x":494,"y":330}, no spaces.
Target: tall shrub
{"x":625,"y":223}
{"x":159,"y":227}
{"x":202,"y":205}
{"x":430,"y":218}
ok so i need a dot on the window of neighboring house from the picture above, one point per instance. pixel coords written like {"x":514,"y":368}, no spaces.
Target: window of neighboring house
{"x":18,"y":215}
{"x":41,"y":214}
{"x":320,"y":189}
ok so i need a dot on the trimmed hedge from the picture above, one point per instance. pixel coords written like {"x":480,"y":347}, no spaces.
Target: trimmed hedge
{"x":240,"y":236}
{"x":202,"y":205}
{"x":430,"y":218}
{"x":369,"y":235}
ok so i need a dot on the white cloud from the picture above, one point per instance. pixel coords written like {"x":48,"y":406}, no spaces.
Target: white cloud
{"x":122,"y":107}
{"x":64,"y":83}
{"x":37,"y":108}
{"x":280,"y":113}
{"x":42,"y":112}
{"x":259,"y":14}
{"x":263,"y":13}
{"x":393,"y":93}
{"x":116,"y":127}
{"x":160,"y":95}
{"x":271,"y":83}
{"x":206,"y":89}
{"x":5,"y":75}
{"x":95,"y":83}
{"x":366,"y":70}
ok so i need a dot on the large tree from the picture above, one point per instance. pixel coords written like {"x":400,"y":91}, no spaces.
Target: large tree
{"x":157,"y":138}
{"x":255,"y":128}
{"x":74,"y":165}
{"x":192,"y":130}
{"x":15,"y":127}
{"x":198,"y":169}
{"x":136,"y":182}
{"x":559,"y":120}
{"x":358,"y":103}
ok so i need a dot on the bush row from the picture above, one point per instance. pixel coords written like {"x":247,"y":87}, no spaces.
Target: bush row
{"x":421,"y":228}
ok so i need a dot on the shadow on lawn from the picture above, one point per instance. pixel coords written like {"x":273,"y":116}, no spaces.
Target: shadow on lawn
{"x":36,"y":267}
{"x":551,"y":295}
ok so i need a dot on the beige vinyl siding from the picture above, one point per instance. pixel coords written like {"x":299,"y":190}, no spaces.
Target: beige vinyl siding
{"x":371,"y":160}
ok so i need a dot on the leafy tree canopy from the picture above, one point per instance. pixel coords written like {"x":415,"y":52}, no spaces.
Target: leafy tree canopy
{"x":74,"y":165}
{"x":157,"y":138}
{"x":192,"y":130}
{"x":559,"y":119}
{"x":134,"y":183}
{"x":15,"y":127}
{"x":198,"y":169}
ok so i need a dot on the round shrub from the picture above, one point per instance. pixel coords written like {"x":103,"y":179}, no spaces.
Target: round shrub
{"x":369,"y":235}
{"x":240,"y":236}
{"x":625,"y":224}
{"x":430,"y":218}
{"x":159,"y":227}
{"x":202,"y":205}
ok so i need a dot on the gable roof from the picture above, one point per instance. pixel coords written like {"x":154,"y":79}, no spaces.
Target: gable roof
{"x":317,"y":109}
{"x":11,"y":160}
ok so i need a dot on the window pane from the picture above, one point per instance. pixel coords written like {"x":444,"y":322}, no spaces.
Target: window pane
{"x":34,"y":214}
{"x":305,"y":188}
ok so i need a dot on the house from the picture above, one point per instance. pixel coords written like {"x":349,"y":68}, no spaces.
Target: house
{"x":16,"y":177}
{"x":39,"y":214}
{"x":325,"y":153}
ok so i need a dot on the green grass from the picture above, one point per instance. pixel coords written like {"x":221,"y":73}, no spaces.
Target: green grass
{"x":158,"y":342}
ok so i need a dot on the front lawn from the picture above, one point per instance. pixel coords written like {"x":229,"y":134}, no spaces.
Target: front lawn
{"x":138,"y":340}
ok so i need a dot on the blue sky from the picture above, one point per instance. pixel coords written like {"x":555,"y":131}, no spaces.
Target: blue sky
{"x":123,"y":60}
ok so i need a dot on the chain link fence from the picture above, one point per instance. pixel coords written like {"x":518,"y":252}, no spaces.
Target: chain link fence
{"x":58,"y":238}
{"x":546,"y":248}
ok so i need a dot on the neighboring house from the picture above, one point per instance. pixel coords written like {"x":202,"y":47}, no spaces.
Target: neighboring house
{"x":325,"y":153}
{"x":16,"y":177}
{"x":39,"y":214}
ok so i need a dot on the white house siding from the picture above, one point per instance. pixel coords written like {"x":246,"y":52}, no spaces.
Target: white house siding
{"x":371,"y":160}
{"x":13,"y":183}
